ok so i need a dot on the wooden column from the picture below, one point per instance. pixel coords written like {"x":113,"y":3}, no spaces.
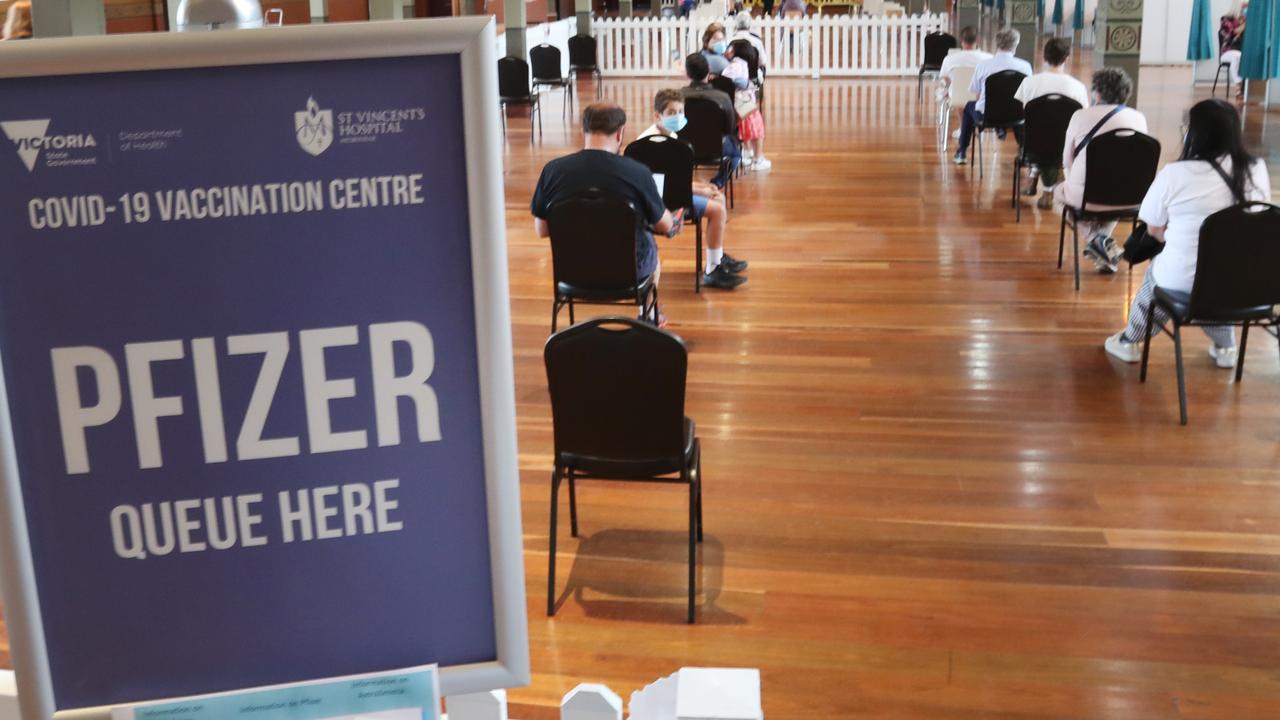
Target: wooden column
{"x":968,"y":12}
{"x":1119,"y":32}
{"x":1022,"y":17}
{"x":582,"y":10}
{"x":515,"y":19}
{"x":60,"y":18}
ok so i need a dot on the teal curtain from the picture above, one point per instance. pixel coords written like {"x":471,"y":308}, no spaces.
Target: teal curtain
{"x":1057,"y":12}
{"x":1260,"y":56}
{"x":1077,"y":21}
{"x":1200,"y":44}
{"x":1039,"y":8}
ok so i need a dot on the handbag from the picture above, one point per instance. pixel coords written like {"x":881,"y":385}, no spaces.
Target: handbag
{"x":1141,"y":246}
{"x":744,"y":103}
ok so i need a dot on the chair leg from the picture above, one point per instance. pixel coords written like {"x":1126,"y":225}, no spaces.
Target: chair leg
{"x":693,"y":545}
{"x":564,"y":108}
{"x":555,"y":313}
{"x":1062,"y":236}
{"x":1244,"y":344}
{"x":502,"y":111}
{"x":920,"y":86}
{"x":551,"y":554}
{"x":1182,"y":379}
{"x":573,"y":505}
{"x":571,"y":320}
{"x":599,"y":84}
{"x":981,"y":158}
{"x":1146,"y":342}
{"x":697,"y":468}
{"x":1075,"y":251}
{"x":697,"y":258}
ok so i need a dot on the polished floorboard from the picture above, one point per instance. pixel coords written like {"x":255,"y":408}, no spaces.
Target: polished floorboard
{"x":929,"y":493}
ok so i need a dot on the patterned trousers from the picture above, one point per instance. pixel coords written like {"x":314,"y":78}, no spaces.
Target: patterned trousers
{"x":1222,"y":335}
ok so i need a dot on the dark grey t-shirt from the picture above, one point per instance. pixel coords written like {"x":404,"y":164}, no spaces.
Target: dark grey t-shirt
{"x":586,"y":169}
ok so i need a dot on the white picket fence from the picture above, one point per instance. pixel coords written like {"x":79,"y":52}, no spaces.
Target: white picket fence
{"x":814,"y":46}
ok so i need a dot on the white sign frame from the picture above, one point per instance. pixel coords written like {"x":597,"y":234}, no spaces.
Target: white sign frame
{"x":473,"y":39}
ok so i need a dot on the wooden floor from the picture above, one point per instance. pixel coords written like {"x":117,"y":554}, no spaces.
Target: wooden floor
{"x":929,"y":493}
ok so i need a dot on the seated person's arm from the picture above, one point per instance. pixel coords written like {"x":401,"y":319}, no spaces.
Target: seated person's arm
{"x":665,"y":223}
{"x":1156,"y":232}
{"x":541,"y":227}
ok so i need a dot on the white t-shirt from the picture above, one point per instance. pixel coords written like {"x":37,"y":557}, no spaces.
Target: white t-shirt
{"x":1182,"y":196}
{"x":962,"y":58}
{"x":1048,"y":83}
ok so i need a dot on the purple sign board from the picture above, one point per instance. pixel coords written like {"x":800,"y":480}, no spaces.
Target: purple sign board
{"x":257,"y":415}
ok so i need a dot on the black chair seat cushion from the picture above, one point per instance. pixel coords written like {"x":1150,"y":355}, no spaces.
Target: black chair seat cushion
{"x":1110,"y":214}
{"x":592,"y":66}
{"x":632,"y":469}
{"x":1003,"y":126}
{"x":552,"y":81}
{"x":517,"y":98}
{"x":1178,"y":304}
{"x":610,"y":294}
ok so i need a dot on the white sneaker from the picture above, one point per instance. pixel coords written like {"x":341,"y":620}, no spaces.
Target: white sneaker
{"x":747,"y":154}
{"x":1224,"y":357}
{"x":1121,"y":350}
{"x":762,"y":164}
{"x":955,"y":135}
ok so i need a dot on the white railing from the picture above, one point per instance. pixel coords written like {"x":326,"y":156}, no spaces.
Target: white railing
{"x":814,"y":46}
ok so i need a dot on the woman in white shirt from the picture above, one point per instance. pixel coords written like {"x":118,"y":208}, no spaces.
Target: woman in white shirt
{"x":1182,"y":196}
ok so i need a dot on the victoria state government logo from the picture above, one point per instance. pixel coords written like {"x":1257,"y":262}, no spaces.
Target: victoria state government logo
{"x":29,"y":137}
{"x":314,"y":128}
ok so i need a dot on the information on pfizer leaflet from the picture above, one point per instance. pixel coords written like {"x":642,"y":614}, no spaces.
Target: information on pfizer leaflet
{"x":238,"y":337}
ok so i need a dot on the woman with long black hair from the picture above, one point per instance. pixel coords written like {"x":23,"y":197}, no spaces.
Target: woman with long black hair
{"x":1214,"y":173}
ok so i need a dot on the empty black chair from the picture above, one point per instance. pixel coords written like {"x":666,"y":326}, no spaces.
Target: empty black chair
{"x":582,"y":57}
{"x":1044,"y":135}
{"x":1121,"y":166}
{"x":936,"y":47}
{"x":546,"y":72}
{"x":1003,"y":111}
{"x":513,"y":89}
{"x":617,"y":408}
{"x":673,"y":159}
{"x":1236,"y":283}
{"x":705,"y":132}
{"x":1222,"y":67}
{"x":593,"y":255}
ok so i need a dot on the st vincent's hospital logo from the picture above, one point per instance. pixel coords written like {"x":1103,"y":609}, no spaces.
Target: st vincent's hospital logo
{"x":314,"y":128}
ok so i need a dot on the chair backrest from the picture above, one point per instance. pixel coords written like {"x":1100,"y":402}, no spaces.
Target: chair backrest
{"x":742,"y":48}
{"x":513,"y":78}
{"x":1120,"y":167}
{"x":673,"y":159}
{"x":582,"y":51}
{"x":705,"y":130}
{"x":961,"y":79}
{"x":546,"y":62}
{"x":1236,"y":264}
{"x":724,"y":85}
{"x":936,"y":47}
{"x":593,"y":240}
{"x":1047,"y":119}
{"x":1001,"y":107}
{"x":617,"y":390}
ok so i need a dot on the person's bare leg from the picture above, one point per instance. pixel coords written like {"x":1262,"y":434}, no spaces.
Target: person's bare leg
{"x":716,"y":216}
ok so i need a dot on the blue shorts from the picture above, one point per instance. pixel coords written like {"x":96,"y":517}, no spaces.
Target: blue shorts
{"x":700,"y":206}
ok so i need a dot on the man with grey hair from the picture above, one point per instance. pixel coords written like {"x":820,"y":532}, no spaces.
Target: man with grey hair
{"x":742,"y":31}
{"x":1004,"y":59}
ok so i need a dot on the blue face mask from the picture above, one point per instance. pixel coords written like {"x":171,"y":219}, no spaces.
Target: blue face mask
{"x":719,"y":47}
{"x":674,"y":123}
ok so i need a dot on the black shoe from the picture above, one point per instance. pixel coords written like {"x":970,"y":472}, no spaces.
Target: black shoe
{"x":961,"y":157}
{"x":1096,"y":250}
{"x":1002,"y":134}
{"x":734,"y":264}
{"x":723,"y":278}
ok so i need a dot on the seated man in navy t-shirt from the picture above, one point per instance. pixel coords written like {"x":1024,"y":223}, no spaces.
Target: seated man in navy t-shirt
{"x":600,"y":166}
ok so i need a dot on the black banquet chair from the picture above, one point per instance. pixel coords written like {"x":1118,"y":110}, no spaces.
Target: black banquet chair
{"x":545,"y":60}
{"x":1045,"y":134}
{"x":1121,"y":166}
{"x":583,"y":58}
{"x":1236,"y":284}
{"x":673,"y":159}
{"x":617,"y":409}
{"x":513,"y":89}
{"x":593,"y":255}
{"x":724,"y":85}
{"x":1003,"y":111}
{"x":936,"y":47}
{"x":704,"y":132}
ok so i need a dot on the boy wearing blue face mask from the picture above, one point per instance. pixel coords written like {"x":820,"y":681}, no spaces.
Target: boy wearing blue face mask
{"x":721,"y":270}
